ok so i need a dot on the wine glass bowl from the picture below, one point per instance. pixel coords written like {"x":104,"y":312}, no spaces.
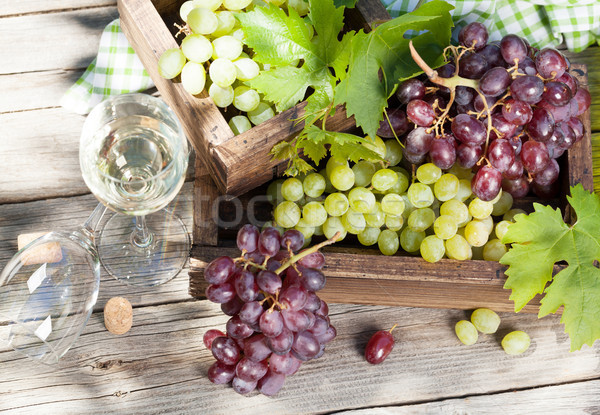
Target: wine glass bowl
{"x":46,"y":302}
{"x":133,"y":156}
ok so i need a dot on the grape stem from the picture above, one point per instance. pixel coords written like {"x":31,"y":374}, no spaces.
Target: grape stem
{"x":247,"y":262}
{"x":393,"y":327}
{"x":182,"y":29}
{"x":292,"y":260}
{"x":452,"y":83}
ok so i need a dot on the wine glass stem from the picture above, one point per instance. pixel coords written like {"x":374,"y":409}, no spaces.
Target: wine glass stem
{"x":142,"y":236}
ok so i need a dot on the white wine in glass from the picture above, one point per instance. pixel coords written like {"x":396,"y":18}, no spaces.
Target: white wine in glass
{"x":133,"y":156}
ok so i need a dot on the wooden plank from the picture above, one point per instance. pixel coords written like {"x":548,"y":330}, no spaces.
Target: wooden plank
{"x":66,"y":40}
{"x":545,"y":400}
{"x":35,"y":90}
{"x":580,"y":161}
{"x":11,"y":8}
{"x":160,"y":365}
{"x":69,"y":214}
{"x":205,"y":193}
{"x":40,"y":155}
{"x":363,"y":276}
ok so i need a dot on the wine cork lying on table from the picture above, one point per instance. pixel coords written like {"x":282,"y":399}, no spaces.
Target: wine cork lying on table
{"x":118,"y":315}
{"x":46,"y":253}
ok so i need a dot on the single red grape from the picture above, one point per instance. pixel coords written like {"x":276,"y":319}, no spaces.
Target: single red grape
{"x":420,"y":112}
{"x":379,"y":347}
{"x":517,"y":188}
{"x":409,"y":90}
{"x":550,"y":63}
{"x":557,"y":94}
{"x":473,"y":66}
{"x":399,"y":124}
{"x":486,"y":183}
{"x":210,"y":335}
{"x":513,"y":48}
{"x":473,"y":35}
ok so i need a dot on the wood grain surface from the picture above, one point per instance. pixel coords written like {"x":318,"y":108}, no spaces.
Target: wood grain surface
{"x":160,"y":365}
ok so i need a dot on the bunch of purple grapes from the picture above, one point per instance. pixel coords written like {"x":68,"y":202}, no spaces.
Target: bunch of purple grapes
{"x":533,"y":105}
{"x":277,"y":321}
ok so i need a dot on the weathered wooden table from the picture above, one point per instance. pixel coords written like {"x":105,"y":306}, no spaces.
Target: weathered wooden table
{"x":160,"y":365}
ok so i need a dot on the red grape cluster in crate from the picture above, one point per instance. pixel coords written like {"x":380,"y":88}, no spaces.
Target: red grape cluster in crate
{"x":277,"y":321}
{"x":505,"y":109}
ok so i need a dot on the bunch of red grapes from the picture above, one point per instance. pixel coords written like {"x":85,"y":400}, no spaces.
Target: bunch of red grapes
{"x":513,"y":112}
{"x":277,"y":321}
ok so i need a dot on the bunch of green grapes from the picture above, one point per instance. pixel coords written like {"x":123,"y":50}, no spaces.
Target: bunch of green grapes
{"x":215,"y":43}
{"x":427,"y":211}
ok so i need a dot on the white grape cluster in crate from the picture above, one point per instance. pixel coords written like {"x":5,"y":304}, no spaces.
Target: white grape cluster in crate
{"x":430,"y":212}
{"x":214,"y":44}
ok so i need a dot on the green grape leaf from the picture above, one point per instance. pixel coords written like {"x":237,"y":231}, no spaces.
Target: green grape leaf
{"x":386,"y":49}
{"x":541,"y":239}
{"x":352,"y":151}
{"x":277,"y":38}
{"x":345,"y":3}
{"x":313,"y":150}
{"x":285,"y":85}
{"x":280,"y":39}
{"x":283,"y":151}
{"x":342,"y":56}
{"x":342,"y":146}
{"x":328,"y":22}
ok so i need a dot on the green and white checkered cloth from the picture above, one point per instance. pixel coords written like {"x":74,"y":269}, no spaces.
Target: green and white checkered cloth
{"x":542,"y":22}
{"x":116,"y":70}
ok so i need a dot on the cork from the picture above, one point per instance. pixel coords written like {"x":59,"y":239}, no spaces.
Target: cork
{"x":46,"y":253}
{"x":118,"y":315}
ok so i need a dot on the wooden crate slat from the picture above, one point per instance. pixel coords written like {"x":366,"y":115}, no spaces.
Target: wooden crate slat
{"x":247,"y":155}
{"x":357,"y":277}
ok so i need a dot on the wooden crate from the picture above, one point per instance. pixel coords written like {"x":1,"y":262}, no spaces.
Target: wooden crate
{"x":237,"y":164}
{"x":364,"y":276}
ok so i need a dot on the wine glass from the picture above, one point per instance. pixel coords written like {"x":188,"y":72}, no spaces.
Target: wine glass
{"x":133,"y":156}
{"x":48,"y":290}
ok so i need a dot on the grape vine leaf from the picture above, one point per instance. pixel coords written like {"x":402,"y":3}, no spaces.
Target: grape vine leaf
{"x":541,"y":239}
{"x":349,"y":4}
{"x":285,"y":85}
{"x":342,"y":146}
{"x":386,"y":48}
{"x":280,"y":40}
{"x":277,"y":38}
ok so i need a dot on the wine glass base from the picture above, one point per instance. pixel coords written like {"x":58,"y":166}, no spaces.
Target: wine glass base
{"x":149,"y":266}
